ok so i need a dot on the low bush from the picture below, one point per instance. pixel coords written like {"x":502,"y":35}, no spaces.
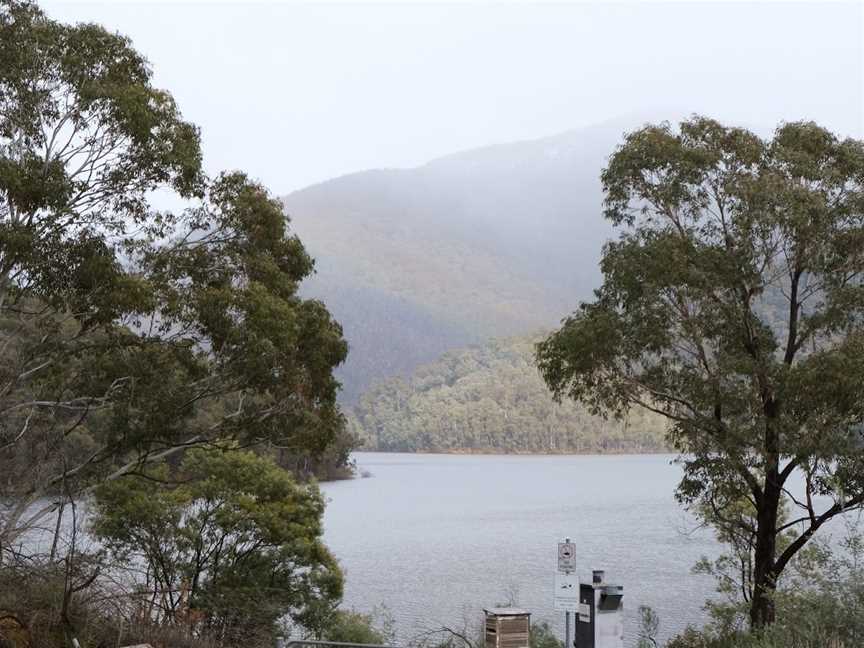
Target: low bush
{"x":820,"y":605}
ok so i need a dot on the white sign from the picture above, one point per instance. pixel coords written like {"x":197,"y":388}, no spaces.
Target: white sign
{"x":566,"y":597}
{"x":585,"y":613}
{"x":566,"y":556}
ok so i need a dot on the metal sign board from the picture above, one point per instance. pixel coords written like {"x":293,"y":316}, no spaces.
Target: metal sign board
{"x":566,"y":556}
{"x":566,"y":598}
{"x":584,"y":613}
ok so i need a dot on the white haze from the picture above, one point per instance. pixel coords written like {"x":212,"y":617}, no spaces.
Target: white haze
{"x":298,"y":93}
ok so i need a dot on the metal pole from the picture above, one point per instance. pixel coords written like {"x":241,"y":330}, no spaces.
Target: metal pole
{"x":567,"y":630}
{"x":567,"y":618}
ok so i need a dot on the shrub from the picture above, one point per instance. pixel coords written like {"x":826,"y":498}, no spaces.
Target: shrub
{"x":353,"y":627}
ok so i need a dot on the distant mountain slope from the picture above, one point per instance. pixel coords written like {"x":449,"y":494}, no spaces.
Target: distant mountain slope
{"x":491,"y":398}
{"x":491,"y":242}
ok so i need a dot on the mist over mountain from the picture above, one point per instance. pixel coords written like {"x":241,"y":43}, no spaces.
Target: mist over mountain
{"x":491,"y":242}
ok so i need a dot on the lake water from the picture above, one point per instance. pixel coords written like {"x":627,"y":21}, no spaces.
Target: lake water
{"x":435,"y":538}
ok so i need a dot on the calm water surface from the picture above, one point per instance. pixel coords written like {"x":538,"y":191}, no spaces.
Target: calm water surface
{"x":435,"y":538}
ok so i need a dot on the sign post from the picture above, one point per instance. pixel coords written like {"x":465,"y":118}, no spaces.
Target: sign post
{"x":566,"y":596}
{"x":566,"y":630}
{"x":566,"y":556}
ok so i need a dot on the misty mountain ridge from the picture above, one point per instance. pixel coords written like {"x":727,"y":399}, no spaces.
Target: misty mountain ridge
{"x":491,"y":242}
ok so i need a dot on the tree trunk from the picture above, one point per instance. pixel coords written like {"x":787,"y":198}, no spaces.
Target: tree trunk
{"x":762,"y":611}
{"x":764,"y":560}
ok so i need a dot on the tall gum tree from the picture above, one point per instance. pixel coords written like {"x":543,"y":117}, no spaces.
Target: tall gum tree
{"x":732,"y":303}
{"x":84,"y":136}
{"x":126,"y":334}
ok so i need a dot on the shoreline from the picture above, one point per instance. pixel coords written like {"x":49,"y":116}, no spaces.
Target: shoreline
{"x":492,"y":452}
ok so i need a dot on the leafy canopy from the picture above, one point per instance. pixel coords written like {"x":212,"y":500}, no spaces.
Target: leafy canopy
{"x":127,"y":334}
{"x":230,"y":551}
{"x":733,"y":304}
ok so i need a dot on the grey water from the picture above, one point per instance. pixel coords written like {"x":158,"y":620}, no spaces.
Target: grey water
{"x":436,"y":538}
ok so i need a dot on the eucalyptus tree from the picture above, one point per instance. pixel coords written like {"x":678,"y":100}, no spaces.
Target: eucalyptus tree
{"x":128,"y":334}
{"x":732,"y":304}
{"x":228,"y":552}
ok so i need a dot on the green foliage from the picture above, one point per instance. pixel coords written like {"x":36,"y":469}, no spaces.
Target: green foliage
{"x":732,"y":304}
{"x":84,"y":134}
{"x":542,"y":636}
{"x":820,"y":604}
{"x":491,"y":398}
{"x":128,"y":334}
{"x":230,"y":550}
{"x":353,"y":627}
{"x":823,"y":596}
{"x":331,"y":464}
{"x":230,"y":285}
{"x":733,"y":570}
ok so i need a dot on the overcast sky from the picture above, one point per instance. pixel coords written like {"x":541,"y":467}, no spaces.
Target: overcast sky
{"x":298,"y":93}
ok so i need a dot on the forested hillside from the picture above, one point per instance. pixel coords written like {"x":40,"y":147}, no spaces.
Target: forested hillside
{"x":490,"y":398}
{"x":494,"y":242}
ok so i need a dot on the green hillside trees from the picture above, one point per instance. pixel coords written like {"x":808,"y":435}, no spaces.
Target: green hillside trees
{"x":491,"y":398}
